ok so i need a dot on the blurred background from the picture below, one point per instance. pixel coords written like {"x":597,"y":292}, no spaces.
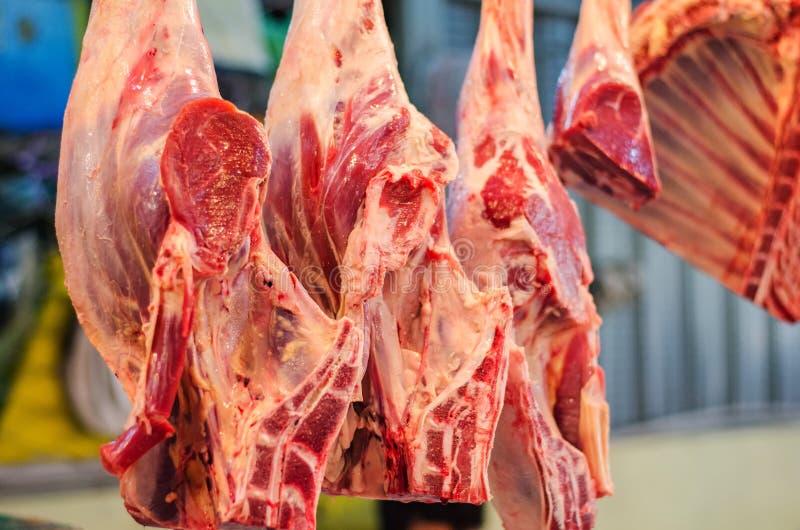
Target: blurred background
{"x":704,"y":388}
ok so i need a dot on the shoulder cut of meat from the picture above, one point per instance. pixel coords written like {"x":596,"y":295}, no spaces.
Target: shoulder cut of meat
{"x":550,"y":456}
{"x":600,"y":135}
{"x":238,"y":379}
{"x":356,"y":208}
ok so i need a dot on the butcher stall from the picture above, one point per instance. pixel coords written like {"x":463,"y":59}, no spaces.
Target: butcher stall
{"x":400,"y":265}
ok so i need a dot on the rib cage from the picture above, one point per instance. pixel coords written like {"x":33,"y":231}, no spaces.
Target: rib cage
{"x":721,"y":85}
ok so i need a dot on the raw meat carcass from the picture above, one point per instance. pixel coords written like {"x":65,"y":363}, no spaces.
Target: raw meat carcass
{"x":600,"y":132}
{"x":550,"y":456}
{"x":355,"y":207}
{"x":239,"y":381}
{"x":722,"y":88}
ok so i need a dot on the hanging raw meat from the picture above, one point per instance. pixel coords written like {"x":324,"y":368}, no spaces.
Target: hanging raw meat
{"x":722,"y":88}
{"x":550,"y":456}
{"x":601,"y":135}
{"x":355,"y":207}
{"x":239,"y":381}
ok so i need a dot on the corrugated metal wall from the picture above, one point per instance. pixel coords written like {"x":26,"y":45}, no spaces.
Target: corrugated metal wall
{"x":673,"y":340}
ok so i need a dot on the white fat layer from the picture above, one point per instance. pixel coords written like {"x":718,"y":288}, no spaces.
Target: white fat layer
{"x":111,"y":209}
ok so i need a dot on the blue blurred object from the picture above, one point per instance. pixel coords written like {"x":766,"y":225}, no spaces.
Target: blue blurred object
{"x":39,"y":42}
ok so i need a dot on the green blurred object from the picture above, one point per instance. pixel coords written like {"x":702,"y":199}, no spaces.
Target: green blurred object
{"x":80,"y":17}
{"x":275,"y":29}
{"x":336,"y":513}
{"x":10,"y":523}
